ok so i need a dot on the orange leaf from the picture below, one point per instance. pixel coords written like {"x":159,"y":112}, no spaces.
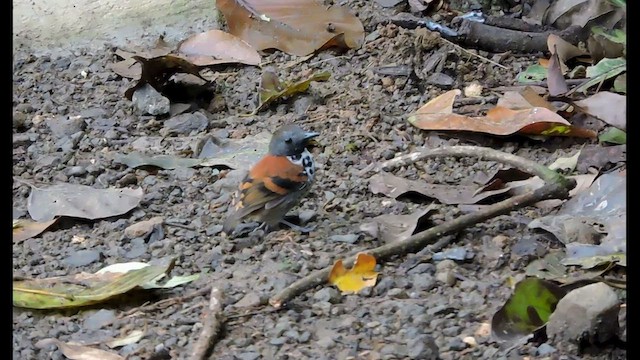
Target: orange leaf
{"x":27,"y":229}
{"x":524,"y":99}
{"x":357,"y":278}
{"x":218,"y":47}
{"x":298,"y":27}
{"x":498,"y":121}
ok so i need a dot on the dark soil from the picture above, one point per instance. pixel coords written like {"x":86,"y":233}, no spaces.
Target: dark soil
{"x":362,"y":118}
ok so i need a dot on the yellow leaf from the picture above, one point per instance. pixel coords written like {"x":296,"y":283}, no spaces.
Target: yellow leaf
{"x":357,"y":278}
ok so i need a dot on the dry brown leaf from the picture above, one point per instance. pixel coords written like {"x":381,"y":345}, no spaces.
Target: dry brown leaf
{"x":79,"y":352}
{"x":555,"y":79}
{"x":393,"y":228}
{"x":26,"y":229}
{"x":218,"y":47}
{"x":395,"y":186}
{"x":564,"y":13}
{"x":298,"y":27}
{"x":524,"y":99}
{"x":437,"y":115}
{"x":608,"y":107}
{"x":565,"y":50}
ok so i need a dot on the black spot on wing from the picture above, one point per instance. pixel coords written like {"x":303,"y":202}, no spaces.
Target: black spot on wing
{"x":287,"y":184}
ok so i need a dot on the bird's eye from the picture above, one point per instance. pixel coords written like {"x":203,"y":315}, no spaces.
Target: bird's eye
{"x":288,"y":140}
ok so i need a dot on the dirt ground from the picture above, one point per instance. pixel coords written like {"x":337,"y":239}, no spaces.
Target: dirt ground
{"x":362,"y":120}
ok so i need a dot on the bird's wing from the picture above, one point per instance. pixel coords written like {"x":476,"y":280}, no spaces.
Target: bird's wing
{"x":270,"y":182}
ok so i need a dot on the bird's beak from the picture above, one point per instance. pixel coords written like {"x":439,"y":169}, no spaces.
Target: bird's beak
{"x":309,"y":139}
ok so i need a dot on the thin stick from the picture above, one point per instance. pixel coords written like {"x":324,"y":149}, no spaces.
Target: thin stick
{"x":472,"y":54}
{"x":213,"y":320}
{"x":557,"y":187}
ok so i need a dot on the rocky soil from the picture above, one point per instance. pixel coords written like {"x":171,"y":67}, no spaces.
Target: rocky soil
{"x":71,"y":118}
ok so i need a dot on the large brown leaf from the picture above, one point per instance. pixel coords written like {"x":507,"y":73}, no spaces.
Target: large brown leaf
{"x":438,"y":114}
{"x":298,"y":27}
{"x":217,"y":47}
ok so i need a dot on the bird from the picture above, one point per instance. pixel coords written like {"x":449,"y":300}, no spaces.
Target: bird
{"x":276,"y":183}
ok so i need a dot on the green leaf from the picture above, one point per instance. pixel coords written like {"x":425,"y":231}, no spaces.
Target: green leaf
{"x":81,"y":289}
{"x":606,"y":66}
{"x":532,"y":74}
{"x":619,"y":3}
{"x":620,"y":84}
{"x":614,"y":136}
{"x":605,"y":69}
{"x":527,"y":310}
{"x":616,"y":35}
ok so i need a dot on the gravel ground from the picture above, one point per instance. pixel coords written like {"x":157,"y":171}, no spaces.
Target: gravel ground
{"x":419,"y":308}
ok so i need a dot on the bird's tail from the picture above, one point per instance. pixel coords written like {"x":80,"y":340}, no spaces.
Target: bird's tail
{"x":230,"y":224}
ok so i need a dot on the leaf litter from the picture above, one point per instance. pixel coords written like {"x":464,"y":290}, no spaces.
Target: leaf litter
{"x":81,"y":201}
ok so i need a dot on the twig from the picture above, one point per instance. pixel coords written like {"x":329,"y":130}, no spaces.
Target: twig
{"x":472,"y":54}
{"x":213,"y":320}
{"x":557,"y":186}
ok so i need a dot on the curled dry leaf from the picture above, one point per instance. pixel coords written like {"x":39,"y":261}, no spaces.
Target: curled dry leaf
{"x":395,"y":186}
{"x":158,"y":70}
{"x":272,"y":89}
{"x":392,"y":228}
{"x":217,"y":47}
{"x":526,"y":98}
{"x":437,"y":114}
{"x":606,"y":106}
{"x":361,"y":276}
{"x":564,"y":13}
{"x":297,"y":27}
{"x":79,"y":352}
{"x":564,"y":49}
{"x":81,"y":201}
{"x":555,"y":79}
{"x":26,"y":229}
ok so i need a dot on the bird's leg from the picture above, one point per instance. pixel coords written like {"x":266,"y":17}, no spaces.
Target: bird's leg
{"x":306,"y":229}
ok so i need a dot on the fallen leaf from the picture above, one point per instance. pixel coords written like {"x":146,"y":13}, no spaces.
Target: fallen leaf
{"x":604,"y":44}
{"x":567,"y":164}
{"x":620,"y":84}
{"x":217,"y":47}
{"x":600,"y":156}
{"x":564,"y":49}
{"x":128,"y":67}
{"x":131,"y":338}
{"x":122,"y":268}
{"x":613,"y":136}
{"x":437,"y":115}
{"x":564,"y":13}
{"x":600,"y":72}
{"x":361,"y":276}
{"x":592,"y":222}
{"x":81,"y":201}
{"x":606,"y":106}
{"x":550,"y":267}
{"x":527,"y":310}
{"x":136,"y":159}
{"x":533,"y":74}
{"x":79,"y":352}
{"x":235,"y":154}
{"x":297,"y":27}
{"x":272,"y":89}
{"x":81,"y":289}
{"x":26,"y":229}
{"x":596,"y":261}
{"x":158,"y":70}
{"x":395,"y":186}
{"x":394,"y":228}
{"x":556,"y":83}
{"x":526,"y":98}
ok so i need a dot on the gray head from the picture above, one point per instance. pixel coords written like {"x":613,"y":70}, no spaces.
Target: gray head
{"x":290,"y":140}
